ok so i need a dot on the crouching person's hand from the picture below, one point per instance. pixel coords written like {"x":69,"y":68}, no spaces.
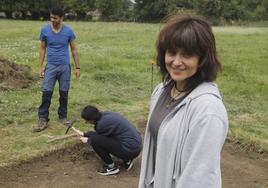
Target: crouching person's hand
{"x":84,"y":139}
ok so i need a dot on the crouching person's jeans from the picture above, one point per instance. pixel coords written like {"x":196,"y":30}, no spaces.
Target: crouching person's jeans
{"x":104,"y":146}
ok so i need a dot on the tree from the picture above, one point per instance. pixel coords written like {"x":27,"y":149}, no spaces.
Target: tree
{"x":150,"y":10}
{"x":79,"y":7}
{"x":212,"y":9}
{"x":253,"y":9}
{"x":144,"y":10}
{"x":263,"y":10}
{"x":7,"y":6}
{"x":110,"y":10}
{"x":156,"y":10}
{"x":232,"y":10}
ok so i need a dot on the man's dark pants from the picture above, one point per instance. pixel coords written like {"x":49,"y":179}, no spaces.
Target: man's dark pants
{"x":53,"y":73}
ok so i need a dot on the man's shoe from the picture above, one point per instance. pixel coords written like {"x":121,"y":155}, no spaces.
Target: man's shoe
{"x":42,"y":125}
{"x":128,"y":164}
{"x":105,"y":171}
{"x":64,"y":121}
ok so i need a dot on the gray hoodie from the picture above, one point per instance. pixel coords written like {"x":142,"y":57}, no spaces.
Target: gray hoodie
{"x":189,"y":142}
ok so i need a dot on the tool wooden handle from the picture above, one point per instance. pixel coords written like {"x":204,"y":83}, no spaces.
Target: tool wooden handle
{"x":62,"y":137}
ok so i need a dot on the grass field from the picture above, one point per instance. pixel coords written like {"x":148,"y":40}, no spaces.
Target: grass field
{"x":116,"y":75}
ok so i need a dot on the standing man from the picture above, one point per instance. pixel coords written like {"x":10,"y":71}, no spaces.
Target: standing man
{"x":55,"y":40}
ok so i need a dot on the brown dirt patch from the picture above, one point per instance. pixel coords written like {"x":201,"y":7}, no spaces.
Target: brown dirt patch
{"x":77,"y":166}
{"x":14,"y":76}
{"x":73,"y":167}
{"x":242,"y":169}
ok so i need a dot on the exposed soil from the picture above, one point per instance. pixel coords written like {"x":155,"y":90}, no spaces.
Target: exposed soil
{"x":14,"y":76}
{"x":77,"y":166}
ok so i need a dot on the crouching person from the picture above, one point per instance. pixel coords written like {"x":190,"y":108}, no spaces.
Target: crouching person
{"x":113,"y":135}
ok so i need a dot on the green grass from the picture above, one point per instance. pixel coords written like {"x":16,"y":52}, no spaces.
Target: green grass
{"x":244,"y":82}
{"x":116,"y":75}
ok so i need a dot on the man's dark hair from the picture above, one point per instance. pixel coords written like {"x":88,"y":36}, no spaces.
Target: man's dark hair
{"x":91,"y":113}
{"x":57,"y":10}
{"x":194,"y":36}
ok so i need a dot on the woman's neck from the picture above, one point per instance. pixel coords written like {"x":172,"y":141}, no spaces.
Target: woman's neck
{"x":179,"y":86}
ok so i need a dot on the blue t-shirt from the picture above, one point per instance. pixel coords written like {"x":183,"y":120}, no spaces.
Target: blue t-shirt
{"x":57,"y":44}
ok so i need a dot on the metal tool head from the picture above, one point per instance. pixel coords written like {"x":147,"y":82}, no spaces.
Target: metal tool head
{"x":69,"y":124}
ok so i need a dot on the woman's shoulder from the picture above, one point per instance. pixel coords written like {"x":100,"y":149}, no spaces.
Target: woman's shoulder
{"x":207,"y":105}
{"x":206,"y":99}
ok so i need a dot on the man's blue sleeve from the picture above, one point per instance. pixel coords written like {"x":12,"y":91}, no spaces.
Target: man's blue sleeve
{"x":72,"y":36}
{"x":42,"y":36}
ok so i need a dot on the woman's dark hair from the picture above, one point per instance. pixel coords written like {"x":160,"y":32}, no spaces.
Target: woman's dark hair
{"x":91,"y":113}
{"x":57,"y":10}
{"x":193,"y":35}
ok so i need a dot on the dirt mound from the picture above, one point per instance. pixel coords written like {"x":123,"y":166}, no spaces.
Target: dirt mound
{"x":13,"y":76}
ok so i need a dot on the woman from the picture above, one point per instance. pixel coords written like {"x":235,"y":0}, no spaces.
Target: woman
{"x":187,"y":123}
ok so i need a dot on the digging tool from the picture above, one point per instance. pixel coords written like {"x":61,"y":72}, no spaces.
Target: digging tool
{"x":69,"y":125}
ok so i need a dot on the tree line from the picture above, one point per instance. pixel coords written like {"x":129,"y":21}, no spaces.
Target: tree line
{"x":137,"y":10}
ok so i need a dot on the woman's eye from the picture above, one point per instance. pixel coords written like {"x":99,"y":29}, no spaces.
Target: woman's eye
{"x":186,"y":56}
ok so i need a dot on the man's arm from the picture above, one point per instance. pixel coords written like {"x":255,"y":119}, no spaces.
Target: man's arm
{"x":76,"y":58}
{"x":80,"y":133}
{"x":84,"y":137}
{"x":42,"y":53}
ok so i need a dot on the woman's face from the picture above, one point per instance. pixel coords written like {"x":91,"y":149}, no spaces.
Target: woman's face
{"x":180,"y":66}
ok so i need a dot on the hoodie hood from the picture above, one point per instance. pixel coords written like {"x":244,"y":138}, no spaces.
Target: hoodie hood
{"x":205,"y":88}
